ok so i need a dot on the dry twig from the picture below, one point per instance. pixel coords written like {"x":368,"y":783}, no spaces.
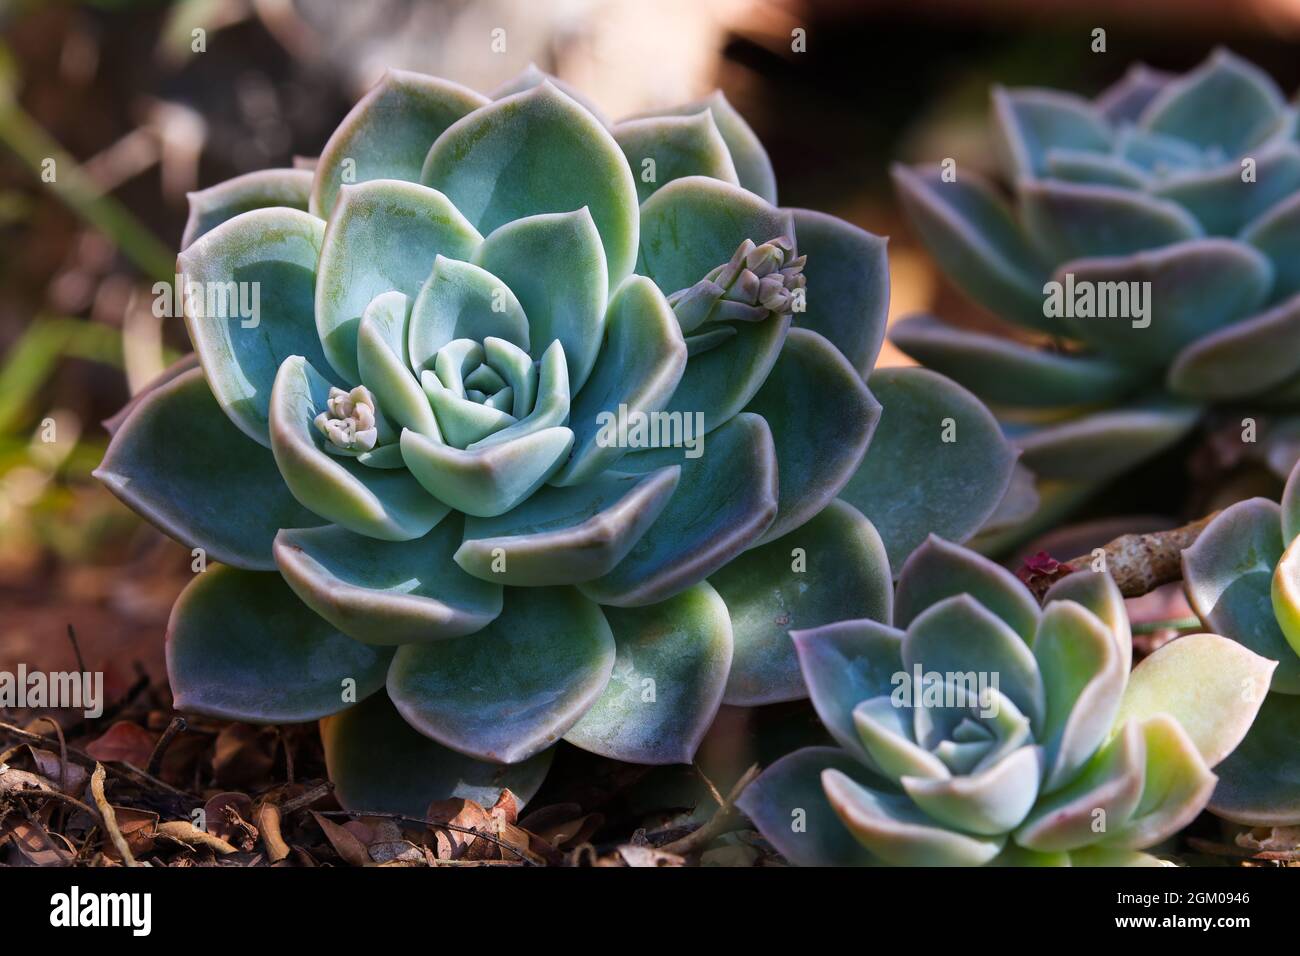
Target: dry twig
{"x":717,"y":824}
{"x":433,"y":824}
{"x":109,"y":818}
{"x":1139,"y":563}
{"x":125,"y":771}
{"x":160,"y":749}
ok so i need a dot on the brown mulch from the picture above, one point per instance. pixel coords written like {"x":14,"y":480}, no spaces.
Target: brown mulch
{"x":142,"y":786}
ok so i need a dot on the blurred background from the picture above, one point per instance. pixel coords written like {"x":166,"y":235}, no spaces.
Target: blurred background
{"x":132,"y":117}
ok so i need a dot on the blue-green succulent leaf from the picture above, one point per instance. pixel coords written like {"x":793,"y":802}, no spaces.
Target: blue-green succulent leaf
{"x":695,"y":224}
{"x":532,"y":76}
{"x":264,"y":260}
{"x":384,"y":234}
{"x":1106,"y":792}
{"x":663,"y":148}
{"x":1175,"y":787}
{"x":847,"y":296}
{"x":1021,"y":504}
{"x":894,"y":829}
{"x":1001,"y":370}
{"x":1077,"y":221}
{"x":887,"y":727}
{"x":489,"y":480}
{"x":1189,"y":289}
{"x":1223,"y":200}
{"x":190,"y":360}
{"x":460,"y":300}
{"x":939,"y":569}
{"x":635,"y":374}
{"x":1098,"y":592}
{"x":1101,"y":169}
{"x":211,"y":207}
{"x":726,"y":499}
{"x":384,"y":363}
{"x":788,"y":805}
{"x":197,"y":489}
{"x":977,"y":241}
{"x":1083,"y":675}
{"x":241,"y":646}
{"x":1228,"y":574}
{"x":380,"y":503}
{"x":550,"y":406}
{"x":959,"y":635}
{"x":380,"y":763}
{"x":821,"y":416}
{"x":1240,"y":360}
{"x":988,"y":801}
{"x":752,"y":165}
{"x":1100,"y":445}
{"x":386,"y":592}
{"x":688,"y":228}
{"x":670,"y":668}
{"x":1275,"y":233}
{"x":833,"y":568}
{"x":844,"y":664}
{"x":564,"y":535}
{"x":538,"y":151}
{"x":1211,"y":685}
{"x":546,"y":658}
{"x":1030,"y":122}
{"x":937,"y":463}
{"x":1257,"y":780}
{"x":719,"y":382}
{"x":1225,"y":104}
{"x":555,"y":264}
{"x":388,"y":133}
{"x":1125,"y":99}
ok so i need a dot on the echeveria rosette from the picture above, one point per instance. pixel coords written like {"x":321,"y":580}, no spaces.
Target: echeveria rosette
{"x":1144,"y":183}
{"x":980,"y":729}
{"x":1242,"y":577}
{"x":404,"y":465}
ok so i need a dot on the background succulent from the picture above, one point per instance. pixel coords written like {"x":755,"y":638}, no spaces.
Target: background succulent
{"x":1242,"y":577}
{"x":400,"y":466}
{"x":1059,"y":756}
{"x":1190,"y":183}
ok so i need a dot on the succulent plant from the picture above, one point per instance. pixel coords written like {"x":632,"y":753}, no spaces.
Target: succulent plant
{"x":980,"y":729}
{"x":1188,"y":183}
{"x":429,"y":470}
{"x":1242,"y":577}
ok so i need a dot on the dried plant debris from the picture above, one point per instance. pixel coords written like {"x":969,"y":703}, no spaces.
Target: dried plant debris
{"x":217,"y":794}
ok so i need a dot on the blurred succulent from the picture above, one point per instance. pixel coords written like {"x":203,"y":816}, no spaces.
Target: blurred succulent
{"x":1242,"y":577}
{"x":548,"y":428}
{"x":1190,"y":184}
{"x":980,"y":729}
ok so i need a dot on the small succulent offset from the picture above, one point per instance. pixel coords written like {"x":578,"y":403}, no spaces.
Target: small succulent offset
{"x":981,"y":729}
{"x":543,"y":429}
{"x":1189,"y":183}
{"x":1242,"y":577}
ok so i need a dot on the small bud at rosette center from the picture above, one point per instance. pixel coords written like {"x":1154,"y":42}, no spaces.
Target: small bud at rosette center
{"x":349,"y":420}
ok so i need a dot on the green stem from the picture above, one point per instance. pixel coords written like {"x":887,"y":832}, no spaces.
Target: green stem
{"x":1169,"y":624}
{"x":75,"y":189}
